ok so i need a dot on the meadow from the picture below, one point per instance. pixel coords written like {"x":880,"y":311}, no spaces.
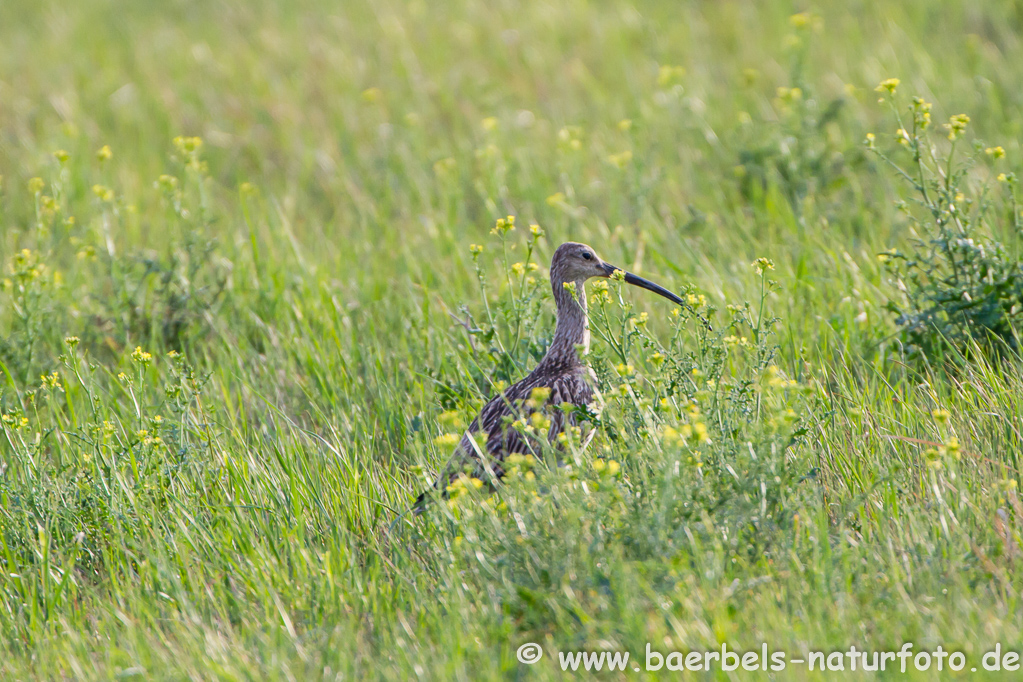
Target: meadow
{"x":259,"y":272}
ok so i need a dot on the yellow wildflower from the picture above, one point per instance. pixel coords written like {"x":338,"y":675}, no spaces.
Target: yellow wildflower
{"x":104,"y":193}
{"x":140,"y":356}
{"x":446,"y":440}
{"x":956,"y":125}
{"x":888,"y":85}
{"x":538,"y":396}
{"x":801,"y":20}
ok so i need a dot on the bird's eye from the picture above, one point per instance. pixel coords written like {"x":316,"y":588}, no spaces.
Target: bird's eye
{"x":587,"y":255}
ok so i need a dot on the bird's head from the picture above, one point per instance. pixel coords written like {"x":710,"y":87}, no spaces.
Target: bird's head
{"x":574,"y":262}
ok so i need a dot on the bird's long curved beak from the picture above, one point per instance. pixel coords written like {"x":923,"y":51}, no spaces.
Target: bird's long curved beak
{"x":638,"y":281}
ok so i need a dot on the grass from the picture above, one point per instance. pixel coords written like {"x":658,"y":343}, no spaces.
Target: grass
{"x":221,"y":502}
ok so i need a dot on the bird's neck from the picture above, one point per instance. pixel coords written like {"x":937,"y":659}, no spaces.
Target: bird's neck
{"x":573,"y":331}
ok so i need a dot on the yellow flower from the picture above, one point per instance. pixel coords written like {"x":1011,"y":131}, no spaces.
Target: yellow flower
{"x":50,"y":381}
{"x":668,"y":75}
{"x":789,"y":95}
{"x":941,"y":416}
{"x":447,"y":440}
{"x":166,"y":183}
{"x":519,"y":269}
{"x":535,"y":230}
{"x":371,"y":94}
{"x":888,"y":85}
{"x":35,"y":185}
{"x":625,"y":124}
{"x":700,"y":432}
{"x":613,"y":467}
{"x":624,"y":370}
{"x":450,"y":418}
{"x":921,"y":113}
{"x":555,"y":199}
{"x":104,"y":153}
{"x":538,"y":396}
{"x":956,"y":125}
{"x":995,"y":152}
{"x":140,"y":356}
{"x":187,"y":145}
{"x":445,"y":166}
{"x":48,"y":205}
{"x":71,"y":341}
{"x":761,"y":265}
{"x":801,"y":20}
{"x":620,"y":160}
{"x":61,"y":155}
{"x":475,"y":249}
{"x":104,"y":193}
{"x":489,"y":123}
{"x":504,"y":225}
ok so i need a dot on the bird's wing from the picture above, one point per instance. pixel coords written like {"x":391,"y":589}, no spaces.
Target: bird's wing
{"x":576,"y":389}
{"x":482,"y":456}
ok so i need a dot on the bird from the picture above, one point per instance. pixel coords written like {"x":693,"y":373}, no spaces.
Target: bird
{"x":562,"y":375}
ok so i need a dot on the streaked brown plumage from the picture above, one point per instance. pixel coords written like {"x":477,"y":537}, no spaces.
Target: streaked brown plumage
{"x":561,"y":370}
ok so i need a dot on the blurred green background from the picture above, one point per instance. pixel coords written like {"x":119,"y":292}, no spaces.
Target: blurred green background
{"x":295,"y":275}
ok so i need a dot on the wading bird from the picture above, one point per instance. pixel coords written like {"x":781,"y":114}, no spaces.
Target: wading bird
{"x":562,"y":375}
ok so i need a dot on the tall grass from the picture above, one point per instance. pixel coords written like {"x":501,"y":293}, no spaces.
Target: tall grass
{"x":236,"y":342}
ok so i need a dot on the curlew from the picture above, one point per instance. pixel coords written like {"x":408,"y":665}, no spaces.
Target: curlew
{"x":561,"y":372}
